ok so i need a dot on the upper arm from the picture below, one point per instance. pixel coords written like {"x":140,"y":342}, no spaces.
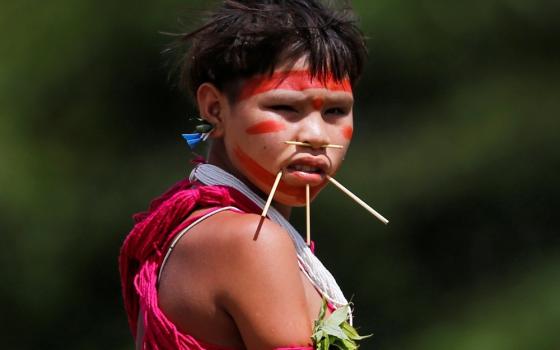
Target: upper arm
{"x":260,"y":284}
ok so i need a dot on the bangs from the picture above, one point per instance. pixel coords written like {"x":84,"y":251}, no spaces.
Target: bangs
{"x":244,"y":39}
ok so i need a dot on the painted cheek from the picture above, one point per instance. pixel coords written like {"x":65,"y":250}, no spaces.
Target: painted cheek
{"x":264,"y":127}
{"x":267,"y":178}
{"x":347,"y":132}
{"x":318,"y":103}
{"x":253,"y":167}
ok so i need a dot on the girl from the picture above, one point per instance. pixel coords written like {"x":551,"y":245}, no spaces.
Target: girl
{"x":203,"y":269}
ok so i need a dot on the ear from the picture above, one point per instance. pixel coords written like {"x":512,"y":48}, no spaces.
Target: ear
{"x":213,"y":106}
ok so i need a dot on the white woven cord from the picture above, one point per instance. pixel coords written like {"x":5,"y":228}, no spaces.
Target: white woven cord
{"x":315,"y":271}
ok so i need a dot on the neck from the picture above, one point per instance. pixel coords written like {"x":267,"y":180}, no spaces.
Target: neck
{"x":218,"y":157}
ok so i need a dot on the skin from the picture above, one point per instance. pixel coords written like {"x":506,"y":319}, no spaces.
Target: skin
{"x":347,"y":132}
{"x":234,"y":280}
{"x":308,"y":112}
{"x":266,"y":126}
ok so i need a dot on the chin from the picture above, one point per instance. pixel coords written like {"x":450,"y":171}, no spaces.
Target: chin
{"x":296,"y":196}
{"x":290,"y":201}
{"x":287,"y":193}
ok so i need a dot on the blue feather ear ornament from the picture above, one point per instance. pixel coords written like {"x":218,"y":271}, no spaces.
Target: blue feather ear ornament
{"x":202,"y":131}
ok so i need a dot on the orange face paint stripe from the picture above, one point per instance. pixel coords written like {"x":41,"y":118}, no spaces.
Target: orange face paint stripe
{"x":263,"y":175}
{"x":265,"y":127}
{"x":318,"y":103}
{"x":267,"y":178}
{"x":291,"y":80}
{"x":347,"y":132}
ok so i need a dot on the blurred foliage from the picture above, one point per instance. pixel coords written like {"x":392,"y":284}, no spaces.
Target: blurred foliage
{"x":456,"y":122}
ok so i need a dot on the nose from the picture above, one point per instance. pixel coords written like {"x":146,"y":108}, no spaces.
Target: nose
{"x":313,"y":130}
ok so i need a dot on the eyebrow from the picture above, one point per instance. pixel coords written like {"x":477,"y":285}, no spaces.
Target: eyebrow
{"x":287,"y":96}
{"x":339,"y":98}
{"x":297,"y":80}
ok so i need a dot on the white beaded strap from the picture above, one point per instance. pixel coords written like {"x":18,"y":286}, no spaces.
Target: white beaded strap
{"x":317,"y":274}
{"x":185,"y":230}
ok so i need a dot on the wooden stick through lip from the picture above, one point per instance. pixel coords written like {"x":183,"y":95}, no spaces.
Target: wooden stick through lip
{"x":308,"y":215}
{"x":358,"y":200}
{"x":271,"y":195}
{"x":306,"y":144}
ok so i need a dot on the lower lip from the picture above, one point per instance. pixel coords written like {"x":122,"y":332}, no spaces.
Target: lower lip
{"x":303,"y":177}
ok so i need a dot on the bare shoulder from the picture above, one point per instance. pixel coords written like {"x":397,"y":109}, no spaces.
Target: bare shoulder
{"x":230,"y":243}
{"x":260,"y":277}
{"x":247,"y":266}
{"x":250,"y":235}
{"x":242,"y":242}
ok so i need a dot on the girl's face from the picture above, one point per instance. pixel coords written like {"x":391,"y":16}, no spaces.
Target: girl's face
{"x":289,"y":106}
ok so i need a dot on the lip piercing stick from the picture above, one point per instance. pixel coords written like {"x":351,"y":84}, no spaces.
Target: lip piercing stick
{"x":308,"y":214}
{"x":358,"y":200}
{"x":271,"y":195}
{"x":306,"y":144}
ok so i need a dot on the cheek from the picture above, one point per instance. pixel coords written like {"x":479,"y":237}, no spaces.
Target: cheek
{"x":347,"y":132}
{"x":252,"y":167}
{"x":267,"y":126}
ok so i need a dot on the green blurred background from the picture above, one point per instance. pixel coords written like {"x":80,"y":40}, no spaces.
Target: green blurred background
{"x":455,"y":143}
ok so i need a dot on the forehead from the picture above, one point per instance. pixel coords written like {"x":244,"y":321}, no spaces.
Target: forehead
{"x":292,"y":80}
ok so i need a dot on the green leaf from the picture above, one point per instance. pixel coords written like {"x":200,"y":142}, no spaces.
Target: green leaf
{"x":318,"y":335}
{"x":323,"y":310}
{"x":352,"y":333}
{"x":349,"y":344}
{"x":335,"y":331}
{"x":349,"y":330}
{"x":338,"y":316}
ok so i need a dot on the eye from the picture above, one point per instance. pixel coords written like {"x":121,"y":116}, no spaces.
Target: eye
{"x":336,"y":111}
{"x":282,"y":108}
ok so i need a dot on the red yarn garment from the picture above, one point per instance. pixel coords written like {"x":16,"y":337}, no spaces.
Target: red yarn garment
{"x":144,"y":249}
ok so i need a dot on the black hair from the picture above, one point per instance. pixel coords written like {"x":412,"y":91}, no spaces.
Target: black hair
{"x":241,"y":39}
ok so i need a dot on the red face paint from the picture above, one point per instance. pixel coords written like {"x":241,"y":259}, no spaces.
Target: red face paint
{"x":267,"y":178}
{"x":318,"y":103}
{"x":265,"y":127}
{"x":297,"y":80}
{"x":347,"y":132}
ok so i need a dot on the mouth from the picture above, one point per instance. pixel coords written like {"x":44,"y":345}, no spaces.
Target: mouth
{"x":307,"y":171}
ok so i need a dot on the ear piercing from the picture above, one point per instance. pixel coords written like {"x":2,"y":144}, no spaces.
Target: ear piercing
{"x":202,"y":131}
